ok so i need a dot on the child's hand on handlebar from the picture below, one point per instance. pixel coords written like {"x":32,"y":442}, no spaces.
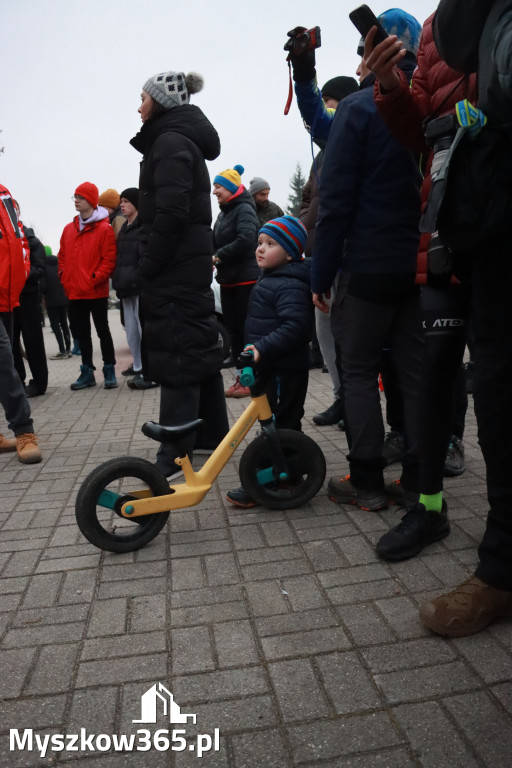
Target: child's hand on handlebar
{"x":252,"y":348}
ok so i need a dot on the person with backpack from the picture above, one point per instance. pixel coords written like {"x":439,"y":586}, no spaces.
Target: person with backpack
{"x":477,"y":37}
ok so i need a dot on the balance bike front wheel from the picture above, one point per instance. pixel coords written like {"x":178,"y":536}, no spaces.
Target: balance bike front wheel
{"x":103,"y":493}
{"x":306,"y":464}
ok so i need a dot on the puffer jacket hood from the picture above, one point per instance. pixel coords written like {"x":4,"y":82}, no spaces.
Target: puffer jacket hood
{"x":187,"y":120}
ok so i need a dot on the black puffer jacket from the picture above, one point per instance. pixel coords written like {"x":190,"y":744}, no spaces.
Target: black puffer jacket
{"x":51,"y":286}
{"x":235,"y":237}
{"x":37,"y":263}
{"x":280,"y":317}
{"x":180,"y":335}
{"x":125,"y":279}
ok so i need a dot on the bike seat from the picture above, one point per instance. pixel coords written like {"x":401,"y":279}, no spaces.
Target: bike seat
{"x":170,"y":434}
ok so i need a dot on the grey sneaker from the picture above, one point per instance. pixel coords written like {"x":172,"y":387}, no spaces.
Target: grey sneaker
{"x":393,"y":448}
{"x":454,"y":464}
{"x":401,"y":496}
{"x":342,"y":491}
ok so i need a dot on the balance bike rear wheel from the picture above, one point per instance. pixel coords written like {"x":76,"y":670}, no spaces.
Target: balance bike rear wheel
{"x":101,"y":496}
{"x":306,"y":463}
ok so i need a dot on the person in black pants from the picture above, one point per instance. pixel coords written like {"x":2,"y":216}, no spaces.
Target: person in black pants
{"x":27,"y":322}
{"x":234,"y":238}
{"x":56,"y":306}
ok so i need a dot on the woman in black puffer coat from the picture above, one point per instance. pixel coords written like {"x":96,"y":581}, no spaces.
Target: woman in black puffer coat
{"x":180,"y":348}
{"x":235,"y":236}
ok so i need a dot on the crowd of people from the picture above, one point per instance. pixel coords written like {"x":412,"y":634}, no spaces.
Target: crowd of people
{"x":383,"y":300}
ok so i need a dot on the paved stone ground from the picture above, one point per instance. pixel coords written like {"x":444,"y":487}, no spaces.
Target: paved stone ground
{"x":282,"y":629}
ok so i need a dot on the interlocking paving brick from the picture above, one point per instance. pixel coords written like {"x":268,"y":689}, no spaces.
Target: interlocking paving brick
{"x":207,"y":614}
{"x":191,"y":650}
{"x":15,"y":665}
{"x":342,"y":736}
{"x":108,"y":617}
{"x":268,"y":554}
{"x":187,"y":573}
{"x":305,"y":643}
{"x":324,"y":555}
{"x":298,"y":691}
{"x":132,"y":588}
{"x":409,"y":655}
{"x":235,"y":644}
{"x":225,"y":684}
{"x":53,"y":670}
{"x":221,"y":569}
{"x":295,"y":622}
{"x":40,"y":711}
{"x":266,"y":598}
{"x":365,"y":624}
{"x":260,"y":749}
{"x":148,"y":613}
{"x":432,"y":735}
{"x":484,"y":724}
{"x":124,"y":645}
{"x":486,"y":657}
{"x":121,"y":670}
{"x":93,"y":709}
{"x":44,"y":635}
{"x":78,"y":586}
{"x":303,"y":593}
{"x":347,"y":683}
{"x":426,"y":682}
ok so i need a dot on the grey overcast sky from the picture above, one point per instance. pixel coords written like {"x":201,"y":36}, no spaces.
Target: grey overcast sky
{"x":73,"y":72}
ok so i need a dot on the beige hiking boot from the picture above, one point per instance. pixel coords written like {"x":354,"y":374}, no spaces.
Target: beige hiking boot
{"x":7,"y":444}
{"x":28,"y":450}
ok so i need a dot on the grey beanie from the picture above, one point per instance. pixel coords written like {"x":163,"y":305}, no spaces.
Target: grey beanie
{"x":172,"y":89}
{"x":257,"y":184}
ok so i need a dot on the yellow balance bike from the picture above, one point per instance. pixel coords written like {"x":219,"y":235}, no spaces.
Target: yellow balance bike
{"x":125,"y":502}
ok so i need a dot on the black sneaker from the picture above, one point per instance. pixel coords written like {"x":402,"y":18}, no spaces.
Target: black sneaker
{"x":129,"y":371}
{"x":240,"y":498}
{"x":330,"y":416}
{"x":32,"y":390}
{"x":454,"y":463}
{"x":418,"y":528}
{"x":401,"y":496}
{"x":341,"y":491}
{"x":393,"y":448}
{"x":139,"y":382}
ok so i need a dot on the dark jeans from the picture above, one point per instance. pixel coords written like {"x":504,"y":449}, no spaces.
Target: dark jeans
{"x":27,"y":325}
{"x":234,"y":311}
{"x":12,"y":395}
{"x":58,"y":317}
{"x":80,"y":312}
{"x":286,"y":392}
{"x":362,"y":330}
{"x":492,"y":349}
{"x":178,"y":405}
{"x":443,"y":397}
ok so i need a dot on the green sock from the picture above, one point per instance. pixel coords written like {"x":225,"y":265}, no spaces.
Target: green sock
{"x":432,"y":501}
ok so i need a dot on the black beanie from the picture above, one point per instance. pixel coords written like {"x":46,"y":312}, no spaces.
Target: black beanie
{"x":132,"y":195}
{"x":339,"y":87}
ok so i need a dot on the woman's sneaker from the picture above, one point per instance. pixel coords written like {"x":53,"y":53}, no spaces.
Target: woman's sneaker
{"x":454,"y":464}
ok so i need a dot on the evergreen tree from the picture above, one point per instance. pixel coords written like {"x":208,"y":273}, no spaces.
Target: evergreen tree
{"x":297,"y":183}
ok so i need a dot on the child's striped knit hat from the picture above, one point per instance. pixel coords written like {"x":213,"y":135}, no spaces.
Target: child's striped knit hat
{"x":290,"y":233}
{"x":230,"y":178}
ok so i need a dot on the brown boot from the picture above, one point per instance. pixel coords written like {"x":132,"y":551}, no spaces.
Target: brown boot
{"x":28,"y":450}
{"x":466,"y":610}
{"x":7,"y":444}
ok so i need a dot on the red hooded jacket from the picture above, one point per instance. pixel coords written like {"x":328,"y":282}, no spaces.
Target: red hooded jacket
{"x":434,"y":91}
{"x":14,"y":257}
{"x":87,"y":259}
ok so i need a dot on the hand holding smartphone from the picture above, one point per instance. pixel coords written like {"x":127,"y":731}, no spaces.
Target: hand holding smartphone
{"x":363,"y":18}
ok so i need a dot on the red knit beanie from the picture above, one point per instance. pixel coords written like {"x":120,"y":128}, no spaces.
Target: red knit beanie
{"x":90,"y":192}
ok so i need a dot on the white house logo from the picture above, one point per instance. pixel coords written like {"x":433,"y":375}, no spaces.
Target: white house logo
{"x":156,"y":702}
{"x":158,"y":694}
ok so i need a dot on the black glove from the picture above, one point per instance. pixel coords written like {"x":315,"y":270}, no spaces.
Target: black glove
{"x":303,"y":63}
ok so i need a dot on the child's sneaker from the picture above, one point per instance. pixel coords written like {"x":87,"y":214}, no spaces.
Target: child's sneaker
{"x":240,"y":498}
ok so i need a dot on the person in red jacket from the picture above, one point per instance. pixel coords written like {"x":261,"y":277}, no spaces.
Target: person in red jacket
{"x":14,"y":269}
{"x":87,"y":258}
{"x":408,"y":109}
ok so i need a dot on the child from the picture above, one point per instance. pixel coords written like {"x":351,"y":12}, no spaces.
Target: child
{"x":278,"y":325}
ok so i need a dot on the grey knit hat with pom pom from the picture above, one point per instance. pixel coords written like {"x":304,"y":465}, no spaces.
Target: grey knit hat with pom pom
{"x":173,"y":89}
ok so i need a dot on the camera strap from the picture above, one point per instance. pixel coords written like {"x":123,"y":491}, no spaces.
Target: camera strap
{"x":290,"y":87}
